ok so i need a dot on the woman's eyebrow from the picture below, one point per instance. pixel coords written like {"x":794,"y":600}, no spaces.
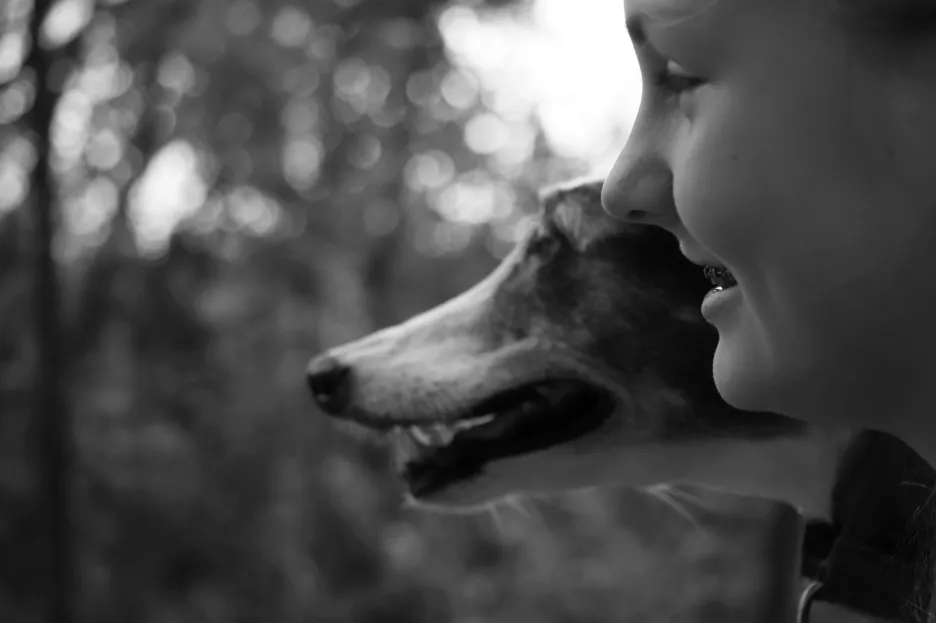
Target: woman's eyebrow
{"x":649,"y":15}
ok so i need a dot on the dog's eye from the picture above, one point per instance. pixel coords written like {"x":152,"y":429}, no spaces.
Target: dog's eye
{"x":544,"y":242}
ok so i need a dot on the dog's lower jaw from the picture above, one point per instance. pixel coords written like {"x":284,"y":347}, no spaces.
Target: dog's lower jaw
{"x":799,"y":470}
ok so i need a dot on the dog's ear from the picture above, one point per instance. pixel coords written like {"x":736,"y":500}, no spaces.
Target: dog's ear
{"x":575,"y":207}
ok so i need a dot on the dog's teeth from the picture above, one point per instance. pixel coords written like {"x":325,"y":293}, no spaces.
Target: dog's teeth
{"x":438,"y":434}
{"x":473,"y":422}
{"x":421,"y":435}
{"x":443,"y":434}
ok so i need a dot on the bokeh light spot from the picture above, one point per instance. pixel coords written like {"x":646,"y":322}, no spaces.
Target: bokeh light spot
{"x":171,"y":189}
{"x":459,"y":89}
{"x":486,"y":133}
{"x":243,"y":17}
{"x":302,"y":159}
{"x":12,"y":49}
{"x":291,"y":27}
{"x":65,"y":20}
{"x":429,"y":170}
{"x":104,"y":150}
{"x":177,"y":73}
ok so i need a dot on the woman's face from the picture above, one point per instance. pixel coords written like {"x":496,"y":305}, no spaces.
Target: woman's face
{"x":802,"y":157}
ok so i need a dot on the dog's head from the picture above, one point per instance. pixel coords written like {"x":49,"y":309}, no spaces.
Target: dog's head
{"x":582,"y":359}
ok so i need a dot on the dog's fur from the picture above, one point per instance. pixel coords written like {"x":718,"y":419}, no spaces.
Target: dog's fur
{"x":614,"y":304}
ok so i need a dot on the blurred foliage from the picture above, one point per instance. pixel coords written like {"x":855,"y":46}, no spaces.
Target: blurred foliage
{"x":241,"y":184}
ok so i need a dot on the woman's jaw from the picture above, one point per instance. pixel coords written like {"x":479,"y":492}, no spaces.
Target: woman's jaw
{"x":760,"y":365}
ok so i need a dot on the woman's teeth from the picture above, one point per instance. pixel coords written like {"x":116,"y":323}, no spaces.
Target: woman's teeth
{"x":720,"y":277}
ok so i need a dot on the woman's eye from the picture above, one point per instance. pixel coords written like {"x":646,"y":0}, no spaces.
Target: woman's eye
{"x":676,"y":80}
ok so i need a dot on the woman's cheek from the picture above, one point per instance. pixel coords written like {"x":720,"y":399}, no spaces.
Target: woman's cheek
{"x":716,"y":193}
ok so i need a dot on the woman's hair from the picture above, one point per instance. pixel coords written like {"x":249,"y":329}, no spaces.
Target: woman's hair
{"x":906,"y":20}
{"x":900,"y":21}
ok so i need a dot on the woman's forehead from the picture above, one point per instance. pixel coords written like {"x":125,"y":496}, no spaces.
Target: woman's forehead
{"x":652,"y":12}
{"x":696,"y":29}
{"x":645,"y":18}
{"x":703,"y":32}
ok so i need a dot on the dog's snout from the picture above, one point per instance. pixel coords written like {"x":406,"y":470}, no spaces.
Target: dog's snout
{"x":329,"y":380}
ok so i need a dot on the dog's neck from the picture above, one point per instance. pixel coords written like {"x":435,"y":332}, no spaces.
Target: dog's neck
{"x":799,"y":470}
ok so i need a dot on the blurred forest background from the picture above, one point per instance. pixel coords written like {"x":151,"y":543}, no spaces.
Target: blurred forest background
{"x":239,"y":184}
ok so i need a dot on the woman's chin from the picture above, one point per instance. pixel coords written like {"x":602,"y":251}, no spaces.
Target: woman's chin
{"x":740,"y":373}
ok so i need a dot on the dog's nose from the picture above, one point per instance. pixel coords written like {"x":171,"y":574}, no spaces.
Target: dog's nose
{"x":329,"y":379}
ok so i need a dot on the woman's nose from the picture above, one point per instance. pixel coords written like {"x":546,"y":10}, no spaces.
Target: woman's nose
{"x":639,"y":189}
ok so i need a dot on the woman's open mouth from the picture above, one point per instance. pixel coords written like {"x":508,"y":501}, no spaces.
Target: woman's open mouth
{"x":520,"y":421}
{"x":722,"y":295}
{"x":720,"y":277}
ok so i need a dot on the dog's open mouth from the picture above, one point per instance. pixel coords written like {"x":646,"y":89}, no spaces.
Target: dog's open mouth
{"x":520,"y":421}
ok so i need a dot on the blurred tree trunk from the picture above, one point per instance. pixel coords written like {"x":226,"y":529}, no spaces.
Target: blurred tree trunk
{"x":50,"y":412}
{"x":98,"y":298}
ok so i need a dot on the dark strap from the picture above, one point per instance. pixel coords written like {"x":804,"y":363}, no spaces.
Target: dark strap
{"x":818,"y":539}
{"x":878,"y":552}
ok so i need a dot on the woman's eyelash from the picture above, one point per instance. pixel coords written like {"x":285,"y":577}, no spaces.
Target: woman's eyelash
{"x":674,"y":79}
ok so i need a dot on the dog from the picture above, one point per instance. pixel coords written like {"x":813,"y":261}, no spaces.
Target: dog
{"x":581,"y":360}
